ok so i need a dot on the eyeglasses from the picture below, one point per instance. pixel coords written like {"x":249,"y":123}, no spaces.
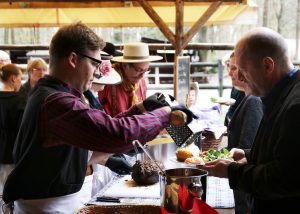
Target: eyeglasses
{"x":95,"y":62}
{"x":140,"y":70}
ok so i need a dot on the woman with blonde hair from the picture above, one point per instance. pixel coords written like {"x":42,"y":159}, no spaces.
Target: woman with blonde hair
{"x":12,"y":105}
{"x":36,"y":69}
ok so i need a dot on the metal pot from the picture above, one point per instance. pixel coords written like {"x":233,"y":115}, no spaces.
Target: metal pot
{"x":180,"y":186}
{"x":162,"y":152}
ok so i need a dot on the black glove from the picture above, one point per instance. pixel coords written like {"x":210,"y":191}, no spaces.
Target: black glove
{"x":118,"y":164}
{"x":190,"y":115}
{"x":171,"y":98}
{"x":155,"y":101}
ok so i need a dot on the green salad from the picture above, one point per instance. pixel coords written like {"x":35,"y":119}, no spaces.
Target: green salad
{"x":214,"y":154}
{"x":213,"y":99}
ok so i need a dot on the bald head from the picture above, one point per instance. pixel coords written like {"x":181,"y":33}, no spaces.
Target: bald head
{"x":264,"y":42}
{"x":262,"y":59}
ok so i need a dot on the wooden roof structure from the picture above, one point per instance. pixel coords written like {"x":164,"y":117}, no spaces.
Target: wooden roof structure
{"x":163,"y":13}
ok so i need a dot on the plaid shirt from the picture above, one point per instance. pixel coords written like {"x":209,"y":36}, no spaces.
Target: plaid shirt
{"x":66,"y":119}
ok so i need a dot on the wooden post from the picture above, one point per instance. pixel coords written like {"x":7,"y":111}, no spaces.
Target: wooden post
{"x":179,"y":26}
{"x":178,"y":47}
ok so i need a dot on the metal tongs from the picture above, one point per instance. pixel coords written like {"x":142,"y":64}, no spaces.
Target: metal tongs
{"x":162,"y":172}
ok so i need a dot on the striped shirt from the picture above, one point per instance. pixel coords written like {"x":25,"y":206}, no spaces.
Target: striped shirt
{"x":66,"y":119}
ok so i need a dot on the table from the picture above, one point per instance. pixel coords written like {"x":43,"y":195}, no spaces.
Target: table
{"x":218,"y":195}
{"x":153,"y":199}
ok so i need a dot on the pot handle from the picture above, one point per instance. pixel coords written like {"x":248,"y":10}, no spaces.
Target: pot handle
{"x":196,"y":189}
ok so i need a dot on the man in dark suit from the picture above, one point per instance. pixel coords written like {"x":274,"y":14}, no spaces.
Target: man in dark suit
{"x":270,"y":171}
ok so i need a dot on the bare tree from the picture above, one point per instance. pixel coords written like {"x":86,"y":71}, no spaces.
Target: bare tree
{"x":6,"y":36}
{"x":13,"y":39}
{"x":265,"y":13}
{"x":278,"y":6}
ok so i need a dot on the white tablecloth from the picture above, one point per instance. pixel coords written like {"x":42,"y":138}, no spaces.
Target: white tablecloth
{"x":125,"y":187}
{"x":152,"y":199}
{"x":219,"y":194}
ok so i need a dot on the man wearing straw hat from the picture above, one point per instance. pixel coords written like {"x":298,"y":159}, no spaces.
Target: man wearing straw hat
{"x":131,"y":66}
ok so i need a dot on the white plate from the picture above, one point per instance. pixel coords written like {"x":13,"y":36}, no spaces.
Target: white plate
{"x":222,"y":100}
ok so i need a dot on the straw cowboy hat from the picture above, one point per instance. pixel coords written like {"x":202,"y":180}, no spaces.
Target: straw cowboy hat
{"x":135,"y":53}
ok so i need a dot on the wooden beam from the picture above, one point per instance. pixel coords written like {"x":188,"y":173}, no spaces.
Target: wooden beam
{"x":24,"y":47}
{"x":64,"y":4}
{"x":158,"y":21}
{"x":178,"y":47}
{"x":201,"y":21}
{"x":179,"y":26}
{"x":85,"y":4}
{"x":122,"y":1}
{"x":97,"y":4}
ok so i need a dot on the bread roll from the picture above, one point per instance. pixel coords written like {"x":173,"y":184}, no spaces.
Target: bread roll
{"x":187,"y":152}
{"x":182,"y":154}
{"x":195,"y":160}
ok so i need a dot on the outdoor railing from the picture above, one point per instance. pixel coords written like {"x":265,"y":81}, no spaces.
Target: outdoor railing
{"x":157,"y":75}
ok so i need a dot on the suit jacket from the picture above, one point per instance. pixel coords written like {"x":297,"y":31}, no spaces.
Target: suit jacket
{"x":272,"y":175}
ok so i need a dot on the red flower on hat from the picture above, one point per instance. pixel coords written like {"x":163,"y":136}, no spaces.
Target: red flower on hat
{"x":105,"y":67}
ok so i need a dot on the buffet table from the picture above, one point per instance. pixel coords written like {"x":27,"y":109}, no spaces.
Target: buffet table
{"x":120,"y":187}
{"x":218,"y":194}
{"x":121,"y":191}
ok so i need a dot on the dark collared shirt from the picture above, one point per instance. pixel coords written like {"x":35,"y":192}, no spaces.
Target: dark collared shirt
{"x":271,"y":96}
